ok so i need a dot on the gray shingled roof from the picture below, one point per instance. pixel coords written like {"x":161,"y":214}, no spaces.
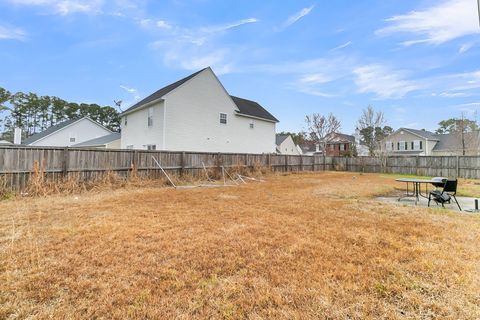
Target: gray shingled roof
{"x":422,"y":133}
{"x":340,"y":138}
{"x":245,"y":107}
{"x":453,"y":141}
{"x":252,"y":108}
{"x":279,"y":138}
{"x":161,"y":92}
{"x":100,"y":141}
{"x":48,"y":131}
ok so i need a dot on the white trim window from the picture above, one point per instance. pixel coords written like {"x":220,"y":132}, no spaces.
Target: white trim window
{"x":223,"y":118}
{"x":129,"y":147}
{"x":417,"y":145}
{"x":150,"y":117}
{"x":151,"y":147}
{"x":402,"y":145}
{"x":389,"y":145}
{"x":342,"y":147}
{"x":252,"y":124}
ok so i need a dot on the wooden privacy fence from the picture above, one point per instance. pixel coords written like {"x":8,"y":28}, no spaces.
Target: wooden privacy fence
{"x":16,"y":163}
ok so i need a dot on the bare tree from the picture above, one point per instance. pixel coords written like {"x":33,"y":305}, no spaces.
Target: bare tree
{"x":371,"y":126}
{"x":319,"y":127}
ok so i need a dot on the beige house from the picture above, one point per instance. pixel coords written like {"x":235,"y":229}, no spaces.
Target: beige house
{"x":406,"y":141}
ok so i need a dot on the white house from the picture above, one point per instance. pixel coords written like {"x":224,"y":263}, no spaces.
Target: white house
{"x":286,"y":145}
{"x":197,"y":114}
{"x":68,"y":133}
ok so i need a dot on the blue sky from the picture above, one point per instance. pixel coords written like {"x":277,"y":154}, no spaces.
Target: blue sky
{"x":418,"y":61}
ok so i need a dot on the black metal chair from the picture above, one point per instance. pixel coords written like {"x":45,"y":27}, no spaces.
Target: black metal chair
{"x":446,"y":194}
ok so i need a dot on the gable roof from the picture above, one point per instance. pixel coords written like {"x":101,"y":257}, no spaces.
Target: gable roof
{"x":55,"y":128}
{"x":338,"y":137}
{"x":246,"y":107}
{"x":421,"y":133}
{"x":161,"y":92}
{"x":100,"y":141}
{"x":453,"y":141}
{"x":279,"y":138}
{"x":48,"y":131}
{"x":252,"y":109}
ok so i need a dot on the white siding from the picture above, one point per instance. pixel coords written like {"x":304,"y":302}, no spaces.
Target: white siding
{"x":82,"y":130}
{"x":192,"y":122}
{"x":288,"y":147}
{"x":138,"y":133}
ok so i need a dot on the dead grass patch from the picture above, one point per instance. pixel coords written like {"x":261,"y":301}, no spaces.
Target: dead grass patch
{"x":293,"y":247}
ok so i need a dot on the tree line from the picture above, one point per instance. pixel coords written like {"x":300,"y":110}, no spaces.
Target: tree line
{"x":33,"y":113}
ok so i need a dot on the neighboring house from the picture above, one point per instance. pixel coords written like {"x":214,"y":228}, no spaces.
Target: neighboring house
{"x":286,"y":145}
{"x":339,"y":144}
{"x":361,"y":147}
{"x":110,"y":141}
{"x":68,"y":133}
{"x":197,"y":114}
{"x":5,"y":143}
{"x":310,"y":149}
{"x":406,"y":141}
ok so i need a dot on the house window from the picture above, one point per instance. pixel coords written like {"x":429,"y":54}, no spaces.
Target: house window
{"x":342,"y":147}
{"x":389,"y":145}
{"x":151,"y":147}
{"x":125,"y":121}
{"x":223,"y":118}
{"x":150,"y":117}
{"x":130,"y":146}
{"x":417,"y":145}
{"x":72,"y":139}
{"x":252,"y":124}
{"x":402,"y":145}
{"x":406,"y":145}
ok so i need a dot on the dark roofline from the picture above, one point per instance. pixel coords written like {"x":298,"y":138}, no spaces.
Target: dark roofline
{"x":247,"y":108}
{"x":161,"y":92}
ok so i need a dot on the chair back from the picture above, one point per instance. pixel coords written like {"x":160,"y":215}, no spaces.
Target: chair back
{"x":450,"y":185}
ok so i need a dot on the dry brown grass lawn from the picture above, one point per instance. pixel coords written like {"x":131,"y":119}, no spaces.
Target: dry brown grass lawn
{"x":295,"y":247}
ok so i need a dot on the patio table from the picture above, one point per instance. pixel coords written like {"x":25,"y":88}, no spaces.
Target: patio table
{"x":416,"y":183}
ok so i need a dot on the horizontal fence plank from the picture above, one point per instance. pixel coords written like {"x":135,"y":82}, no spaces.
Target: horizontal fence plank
{"x":18,"y":163}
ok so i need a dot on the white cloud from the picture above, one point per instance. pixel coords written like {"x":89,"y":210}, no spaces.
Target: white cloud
{"x":315,"y":78}
{"x":297,"y":16}
{"x":7,"y":32}
{"x":132,"y":91}
{"x":227,"y":26}
{"x":163,"y":24}
{"x":346,"y":44}
{"x":65,"y":7}
{"x":383,"y":82}
{"x":441,"y":23}
{"x":465,"y":47}
{"x":196,"y":48}
{"x":448,"y":94}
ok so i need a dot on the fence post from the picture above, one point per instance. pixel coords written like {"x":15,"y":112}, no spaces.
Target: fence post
{"x":65,"y":161}
{"x":182,"y":164}
{"x":324,"y":164}
{"x":246,"y":161}
{"x":457,"y":166}
{"x":286,"y":163}
{"x":269,"y":162}
{"x":301,"y":163}
{"x":416,"y":165}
